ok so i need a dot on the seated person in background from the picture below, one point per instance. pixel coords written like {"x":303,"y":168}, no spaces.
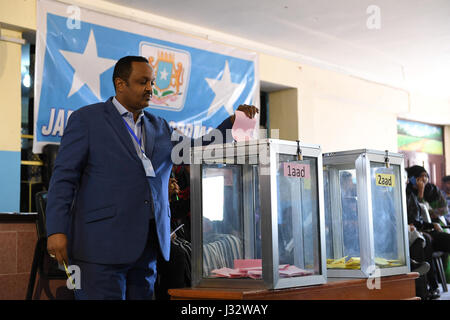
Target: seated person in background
{"x":419,"y":251}
{"x":436,"y":203}
{"x":175,"y":273}
{"x":439,"y":241}
{"x":437,"y":208}
{"x":446,"y":192}
{"x":180,"y":203}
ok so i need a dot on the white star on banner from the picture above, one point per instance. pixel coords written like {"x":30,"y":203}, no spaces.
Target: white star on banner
{"x":164,"y":74}
{"x":226,"y":92}
{"x":88,"y":67}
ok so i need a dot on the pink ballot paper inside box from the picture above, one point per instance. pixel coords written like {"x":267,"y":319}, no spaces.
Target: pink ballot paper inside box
{"x":252,"y":268}
{"x":243,"y":128}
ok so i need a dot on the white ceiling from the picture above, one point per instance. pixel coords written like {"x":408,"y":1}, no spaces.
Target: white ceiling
{"x":411,"y":49}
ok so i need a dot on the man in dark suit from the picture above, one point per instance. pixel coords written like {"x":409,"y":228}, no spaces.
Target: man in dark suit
{"x":107,"y":206}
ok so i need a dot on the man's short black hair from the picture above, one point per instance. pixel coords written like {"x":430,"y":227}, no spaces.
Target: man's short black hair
{"x":122,"y":69}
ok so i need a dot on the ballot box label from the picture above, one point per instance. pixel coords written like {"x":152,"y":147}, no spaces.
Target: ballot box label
{"x":297,"y":170}
{"x":385,"y":180}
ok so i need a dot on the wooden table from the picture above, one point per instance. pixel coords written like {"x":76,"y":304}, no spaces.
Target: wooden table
{"x":396,"y":287}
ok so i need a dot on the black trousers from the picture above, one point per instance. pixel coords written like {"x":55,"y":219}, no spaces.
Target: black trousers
{"x":440,"y":241}
{"x":424,"y":254}
{"x":174,"y":273}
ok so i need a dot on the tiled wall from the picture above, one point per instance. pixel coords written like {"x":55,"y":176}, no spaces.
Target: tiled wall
{"x":16,"y":255}
{"x":17,"y":244}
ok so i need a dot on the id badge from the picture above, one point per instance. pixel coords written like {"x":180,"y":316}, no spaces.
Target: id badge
{"x":149,"y":172}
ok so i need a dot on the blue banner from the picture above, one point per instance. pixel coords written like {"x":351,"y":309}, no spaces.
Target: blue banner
{"x":198,"y":83}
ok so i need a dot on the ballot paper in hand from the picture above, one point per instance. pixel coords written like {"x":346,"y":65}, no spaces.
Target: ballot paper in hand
{"x":243,"y":128}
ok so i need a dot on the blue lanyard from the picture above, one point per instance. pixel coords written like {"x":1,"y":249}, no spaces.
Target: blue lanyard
{"x":134,"y":136}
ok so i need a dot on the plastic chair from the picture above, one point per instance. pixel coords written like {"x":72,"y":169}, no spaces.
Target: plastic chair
{"x":437,"y":255}
{"x":42,"y":263}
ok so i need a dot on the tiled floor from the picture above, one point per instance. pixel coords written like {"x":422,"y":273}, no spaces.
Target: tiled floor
{"x":444,"y":295}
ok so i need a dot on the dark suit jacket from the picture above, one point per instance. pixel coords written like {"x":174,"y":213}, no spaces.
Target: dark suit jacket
{"x":99,"y":194}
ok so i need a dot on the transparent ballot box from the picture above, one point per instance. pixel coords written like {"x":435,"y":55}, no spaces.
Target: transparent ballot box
{"x":365,"y":214}
{"x":257,"y":215}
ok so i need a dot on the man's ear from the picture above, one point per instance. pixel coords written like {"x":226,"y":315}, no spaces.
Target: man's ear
{"x":120,"y":84}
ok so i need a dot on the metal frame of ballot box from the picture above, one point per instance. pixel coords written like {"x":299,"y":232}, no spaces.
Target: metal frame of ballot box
{"x":360,"y":161}
{"x":240,"y":152}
